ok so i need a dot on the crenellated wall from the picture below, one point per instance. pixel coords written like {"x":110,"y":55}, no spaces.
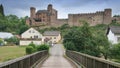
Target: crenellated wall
{"x":49,"y":18}
{"x":100,"y":17}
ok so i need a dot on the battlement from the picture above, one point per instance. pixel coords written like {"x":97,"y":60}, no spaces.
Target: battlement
{"x":49,"y":17}
{"x":88,"y":14}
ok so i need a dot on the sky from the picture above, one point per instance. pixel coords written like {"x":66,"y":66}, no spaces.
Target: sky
{"x":21,"y":8}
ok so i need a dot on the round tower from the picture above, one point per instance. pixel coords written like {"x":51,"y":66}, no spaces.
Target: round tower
{"x":32,"y":12}
{"x":49,"y":8}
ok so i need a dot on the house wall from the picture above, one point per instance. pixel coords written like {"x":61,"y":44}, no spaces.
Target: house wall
{"x":117,"y":36}
{"x":54,"y":39}
{"x":27,"y":42}
{"x":112,"y":38}
{"x":31,"y":33}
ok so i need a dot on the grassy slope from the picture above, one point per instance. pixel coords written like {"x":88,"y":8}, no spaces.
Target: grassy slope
{"x":11,"y":52}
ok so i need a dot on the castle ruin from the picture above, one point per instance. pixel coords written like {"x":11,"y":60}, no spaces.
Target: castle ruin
{"x":49,"y":18}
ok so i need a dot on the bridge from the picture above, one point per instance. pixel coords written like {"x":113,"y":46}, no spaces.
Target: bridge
{"x":57,"y":57}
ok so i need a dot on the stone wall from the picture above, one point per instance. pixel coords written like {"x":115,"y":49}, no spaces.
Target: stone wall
{"x":50,"y":18}
{"x":100,"y":17}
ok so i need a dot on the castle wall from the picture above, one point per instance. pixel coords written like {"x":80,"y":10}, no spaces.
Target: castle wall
{"x":100,"y":17}
{"x":49,"y":18}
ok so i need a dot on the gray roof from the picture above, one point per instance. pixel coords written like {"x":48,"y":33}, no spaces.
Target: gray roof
{"x":5,"y":35}
{"x":42,"y":11}
{"x":51,"y":33}
{"x":115,"y":29}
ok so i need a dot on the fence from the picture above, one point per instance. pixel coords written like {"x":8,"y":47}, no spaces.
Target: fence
{"x":26,"y":61}
{"x":87,"y":61}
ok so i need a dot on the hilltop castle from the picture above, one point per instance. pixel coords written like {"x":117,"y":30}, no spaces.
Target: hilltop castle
{"x":49,"y":18}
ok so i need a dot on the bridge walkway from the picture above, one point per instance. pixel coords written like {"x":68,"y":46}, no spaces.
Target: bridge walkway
{"x":56,"y":59}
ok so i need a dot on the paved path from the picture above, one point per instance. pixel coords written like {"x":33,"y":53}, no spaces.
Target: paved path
{"x":56,"y":59}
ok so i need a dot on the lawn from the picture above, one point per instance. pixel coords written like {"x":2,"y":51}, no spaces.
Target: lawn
{"x":11,"y":52}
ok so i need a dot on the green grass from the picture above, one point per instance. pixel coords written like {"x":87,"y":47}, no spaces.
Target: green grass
{"x":11,"y":52}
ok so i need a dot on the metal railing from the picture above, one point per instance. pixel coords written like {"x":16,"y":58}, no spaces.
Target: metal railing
{"x":26,"y":61}
{"x":87,"y":61}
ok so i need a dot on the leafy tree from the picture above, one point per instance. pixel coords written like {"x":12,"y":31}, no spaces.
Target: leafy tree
{"x":116,"y":16}
{"x":1,"y":10}
{"x":12,"y":40}
{"x":115,"y":51}
{"x":42,"y":47}
{"x":70,"y":46}
{"x":103,"y":45}
{"x":86,"y":40}
{"x":1,"y":42}
{"x":64,"y":26}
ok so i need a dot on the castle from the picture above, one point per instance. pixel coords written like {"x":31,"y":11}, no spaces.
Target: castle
{"x":49,"y":18}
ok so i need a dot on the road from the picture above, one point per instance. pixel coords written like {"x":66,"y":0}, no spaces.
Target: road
{"x":56,"y":59}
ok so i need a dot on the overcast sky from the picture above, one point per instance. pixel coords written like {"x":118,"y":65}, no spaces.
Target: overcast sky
{"x":64,"y":7}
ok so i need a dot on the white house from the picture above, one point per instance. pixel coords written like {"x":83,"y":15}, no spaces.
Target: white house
{"x":52,"y":36}
{"x":113,"y":34}
{"x":31,"y":35}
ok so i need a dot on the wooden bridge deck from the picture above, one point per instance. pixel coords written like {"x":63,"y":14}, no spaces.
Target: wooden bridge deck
{"x":56,"y":59}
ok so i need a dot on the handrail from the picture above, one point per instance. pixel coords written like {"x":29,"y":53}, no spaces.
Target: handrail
{"x":91,"y":62}
{"x":25,"y":61}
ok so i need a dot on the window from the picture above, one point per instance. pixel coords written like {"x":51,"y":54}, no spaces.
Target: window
{"x":43,"y":19}
{"x":54,"y":37}
{"x":31,"y":37}
{"x":36,"y":37}
{"x":33,"y":31}
{"x":118,"y":38}
{"x":29,"y":31}
{"x":50,"y":37}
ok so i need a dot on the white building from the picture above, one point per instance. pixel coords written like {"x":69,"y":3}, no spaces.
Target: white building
{"x":113,"y":34}
{"x":52,"y":36}
{"x":5,"y":35}
{"x":31,"y":35}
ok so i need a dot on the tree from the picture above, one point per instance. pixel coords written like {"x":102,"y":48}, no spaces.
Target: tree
{"x":1,"y":10}
{"x":115,"y":51}
{"x":42,"y":47}
{"x":12,"y":40}
{"x":1,"y":42}
{"x":87,"y":40}
{"x":103,"y":45}
{"x":70,"y":46}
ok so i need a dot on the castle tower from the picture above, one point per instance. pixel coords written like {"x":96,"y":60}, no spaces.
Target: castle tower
{"x":107,"y":16}
{"x":32,"y":12}
{"x":49,"y":8}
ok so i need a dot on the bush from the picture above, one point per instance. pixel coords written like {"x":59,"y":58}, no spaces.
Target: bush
{"x":32,"y":44}
{"x":42,"y":47}
{"x":70,"y":46}
{"x":29,"y":50}
{"x":13,"y":40}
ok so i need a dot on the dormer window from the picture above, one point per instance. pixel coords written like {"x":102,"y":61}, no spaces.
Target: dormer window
{"x":29,"y":31}
{"x":33,"y":31}
{"x":118,"y":38}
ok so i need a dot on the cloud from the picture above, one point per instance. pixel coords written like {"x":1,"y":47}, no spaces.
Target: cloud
{"x":64,"y":7}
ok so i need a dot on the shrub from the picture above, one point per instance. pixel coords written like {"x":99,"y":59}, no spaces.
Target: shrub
{"x":42,"y":47}
{"x":32,"y":44}
{"x":12,"y":40}
{"x":29,"y":49}
{"x":70,"y":46}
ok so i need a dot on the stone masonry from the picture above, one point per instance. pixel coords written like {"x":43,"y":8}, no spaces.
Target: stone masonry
{"x":49,"y":18}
